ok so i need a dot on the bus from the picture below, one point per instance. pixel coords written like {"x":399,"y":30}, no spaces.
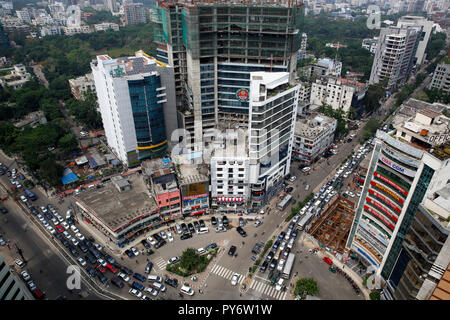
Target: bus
{"x":305,"y":220}
{"x":283,"y":203}
{"x":288,"y":267}
{"x":30,"y":195}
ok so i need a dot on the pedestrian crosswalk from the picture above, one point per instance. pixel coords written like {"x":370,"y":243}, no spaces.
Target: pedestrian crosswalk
{"x":268,"y":290}
{"x":161,"y":263}
{"x":226,"y":273}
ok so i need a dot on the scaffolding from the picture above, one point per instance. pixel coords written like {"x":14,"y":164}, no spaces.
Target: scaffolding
{"x":332,"y":228}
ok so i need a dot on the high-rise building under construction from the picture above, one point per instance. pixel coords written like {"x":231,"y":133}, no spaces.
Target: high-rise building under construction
{"x":214,"y":45}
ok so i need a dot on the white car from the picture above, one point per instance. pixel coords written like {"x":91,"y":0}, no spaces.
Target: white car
{"x":51,"y":230}
{"x":151,"y":240}
{"x":124,"y":277}
{"x":187,"y":290}
{"x":74,"y":229}
{"x":152,"y":291}
{"x":280,"y":265}
{"x":359,"y":194}
{"x":102,"y":262}
{"x":280,"y":284}
{"x":351,"y":194}
{"x":177,"y":226}
{"x":135,"y":252}
{"x":25,"y":275}
{"x":81,"y":261}
{"x":257,"y":223}
{"x":74,"y":241}
{"x":135,"y":293}
{"x":66,"y":234}
{"x":23,"y":199}
{"x":282,"y":245}
{"x":65,"y":225}
{"x":173,"y":260}
{"x":61,"y":219}
{"x":306,"y":169}
{"x":44,"y":209}
{"x":220,"y":229}
{"x":295,"y":219}
{"x":45,"y":223}
{"x":80,"y":236}
{"x":292,"y":179}
{"x":19,"y":263}
{"x":170,"y":237}
{"x":55,"y":221}
{"x":234,"y":279}
{"x":97,"y":246}
{"x":163,"y":235}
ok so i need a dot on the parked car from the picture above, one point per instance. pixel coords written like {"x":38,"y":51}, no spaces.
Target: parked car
{"x":145,"y":244}
{"x":257,"y":223}
{"x":173,"y":260}
{"x":186,"y":236}
{"x":213,"y":221}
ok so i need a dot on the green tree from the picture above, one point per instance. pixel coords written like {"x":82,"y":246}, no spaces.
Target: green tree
{"x":51,"y":172}
{"x":370,"y":128}
{"x":68,"y":143}
{"x":189,"y":259}
{"x":306,"y":286}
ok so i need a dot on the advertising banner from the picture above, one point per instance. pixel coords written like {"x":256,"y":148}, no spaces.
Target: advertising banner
{"x":396,"y":186}
{"x":389,"y":192}
{"x":379,"y":216}
{"x":379,"y":206}
{"x":385,"y":200}
{"x":396,"y":167}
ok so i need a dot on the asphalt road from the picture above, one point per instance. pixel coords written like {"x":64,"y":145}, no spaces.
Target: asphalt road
{"x":46,"y":268}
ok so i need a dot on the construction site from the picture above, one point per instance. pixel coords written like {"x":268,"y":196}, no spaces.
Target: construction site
{"x":331,"y":229}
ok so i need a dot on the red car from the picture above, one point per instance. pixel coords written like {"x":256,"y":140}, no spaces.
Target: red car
{"x":111,"y":268}
{"x":60,"y":228}
{"x":328,"y":261}
{"x":100,"y":268}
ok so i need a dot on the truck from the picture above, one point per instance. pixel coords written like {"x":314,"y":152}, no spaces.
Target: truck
{"x":305,"y":220}
{"x":283,"y":203}
{"x":288,"y":266}
{"x":30,"y":195}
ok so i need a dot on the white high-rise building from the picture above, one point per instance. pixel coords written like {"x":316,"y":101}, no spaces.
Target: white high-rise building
{"x":272,"y":114}
{"x":249,"y":167}
{"x":427,"y":29}
{"x":137,"y":103}
{"x":395,"y":55}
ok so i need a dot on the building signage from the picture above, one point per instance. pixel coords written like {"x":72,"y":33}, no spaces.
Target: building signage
{"x":379,"y":216}
{"x":396,"y":167}
{"x":379,"y":206}
{"x":242,"y":95}
{"x":385,"y":200}
{"x":400,"y":157}
{"x":376,"y":235}
{"x":204,"y":195}
{"x":389,"y":192}
{"x":396,"y":186}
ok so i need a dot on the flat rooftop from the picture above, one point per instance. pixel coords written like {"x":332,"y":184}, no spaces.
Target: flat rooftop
{"x":310,"y":127}
{"x":188,"y":172}
{"x":116,"y":209}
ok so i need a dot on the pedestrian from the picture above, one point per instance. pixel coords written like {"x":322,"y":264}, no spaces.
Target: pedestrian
{"x":137,"y":262}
